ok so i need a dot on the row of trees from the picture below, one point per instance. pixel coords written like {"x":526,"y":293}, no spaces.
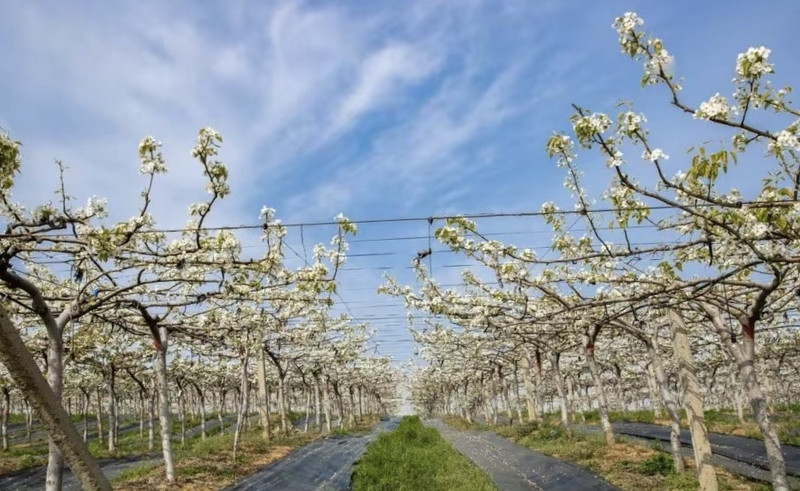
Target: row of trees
{"x":682,"y":292}
{"x":155,"y":318}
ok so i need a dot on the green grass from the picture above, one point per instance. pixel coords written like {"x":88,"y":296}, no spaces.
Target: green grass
{"x":414,"y":457}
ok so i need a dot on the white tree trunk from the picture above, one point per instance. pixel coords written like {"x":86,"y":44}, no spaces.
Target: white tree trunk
{"x":63,"y":435}
{"x":243,"y":409}
{"x":745,"y":356}
{"x":656,"y":368}
{"x":527,"y":379}
{"x":693,"y":402}
{"x":5,"y":415}
{"x":602,"y":401}
{"x":263,"y":406}
{"x":55,"y":377}
{"x":326,"y":401}
{"x":112,"y":411}
{"x":164,"y":405}
{"x":282,"y":403}
{"x":562,"y":393}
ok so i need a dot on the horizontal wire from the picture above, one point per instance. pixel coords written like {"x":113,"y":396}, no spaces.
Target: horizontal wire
{"x":432,"y":218}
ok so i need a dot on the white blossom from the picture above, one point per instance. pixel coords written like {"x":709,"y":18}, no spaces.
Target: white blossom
{"x":615,"y":160}
{"x":152,"y":160}
{"x":207,"y":140}
{"x":717,"y":107}
{"x":656,"y":154}
{"x":786,"y":140}
{"x":754,"y":63}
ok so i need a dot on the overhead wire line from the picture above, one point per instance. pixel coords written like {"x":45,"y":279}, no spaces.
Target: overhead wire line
{"x":739,"y":204}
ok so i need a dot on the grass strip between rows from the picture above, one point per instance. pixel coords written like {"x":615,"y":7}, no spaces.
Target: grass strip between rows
{"x":415,"y":457}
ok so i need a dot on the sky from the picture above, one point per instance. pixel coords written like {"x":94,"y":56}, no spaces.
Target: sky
{"x":406,"y":108}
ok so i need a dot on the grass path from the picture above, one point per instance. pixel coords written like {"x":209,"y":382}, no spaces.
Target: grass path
{"x":414,"y":457}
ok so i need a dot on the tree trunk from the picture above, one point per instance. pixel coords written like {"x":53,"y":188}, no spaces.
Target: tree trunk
{"x":736,"y":396}
{"x":602,"y":401}
{"x":527,"y":379}
{"x":164,"y":404}
{"x":243,"y":409}
{"x":352,"y":421}
{"x":100,"y":434}
{"x":656,"y":368}
{"x":745,"y":356}
{"x":202,"y":403}
{"x":46,"y":401}
{"x":772,"y":444}
{"x":5,"y":415}
{"x":308,"y":411}
{"x":282,"y":402}
{"x":151,"y":432}
{"x":86,"y":405}
{"x":55,"y":377}
{"x":693,"y":402}
{"x":263,"y":407}
{"x":339,"y":406}
{"x":112,"y":411}
{"x":360,"y":407}
{"x":655,"y":400}
{"x":28,"y":419}
{"x":222,"y":409}
{"x":182,"y":409}
{"x":326,"y":400}
{"x":562,"y":392}
{"x":317,"y":408}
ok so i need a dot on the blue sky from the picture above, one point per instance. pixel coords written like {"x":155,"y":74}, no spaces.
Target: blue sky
{"x":373,"y":109}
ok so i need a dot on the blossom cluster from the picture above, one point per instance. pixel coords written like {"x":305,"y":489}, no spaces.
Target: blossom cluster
{"x":754,"y":63}
{"x":786,"y":140}
{"x":715,"y":108}
{"x":152,"y":160}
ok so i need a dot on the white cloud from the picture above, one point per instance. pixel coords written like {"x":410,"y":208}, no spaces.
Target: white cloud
{"x":382,"y":75}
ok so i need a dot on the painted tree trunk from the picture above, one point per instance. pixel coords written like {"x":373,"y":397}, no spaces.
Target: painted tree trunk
{"x":164,"y":404}
{"x":339,"y":405}
{"x":562,"y":392}
{"x":142,"y":405}
{"x":222,"y":410}
{"x":202,"y":404}
{"x":736,"y":396}
{"x":693,"y":402}
{"x":263,"y":407}
{"x":670,"y":403}
{"x":758,"y":403}
{"x":46,"y":401}
{"x":352,"y":420}
{"x":317,"y":408}
{"x":28,"y":419}
{"x":112,"y":411}
{"x":602,"y":401}
{"x":151,"y":412}
{"x":360,"y":407}
{"x":243,"y":409}
{"x":5,"y":415}
{"x":308,"y":411}
{"x":55,"y":377}
{"x":182,"y":409}
{"x":282,"y":402}
{"x":527,"y":379}
{"x":326,"y":401}
{"x":100,"y":434}
{"x":744,"y":354}
{"x":86,"y":405}
{"x":655,"y":400}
